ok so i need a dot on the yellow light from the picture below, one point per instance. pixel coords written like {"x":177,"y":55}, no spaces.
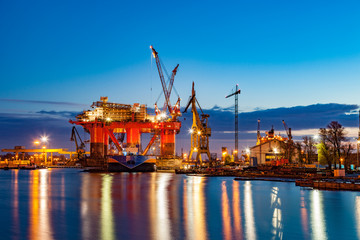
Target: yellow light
{"x":199,"y":132}
{"x":247,"y":150}
{"x":191,"y":130}
{"x":275,"y":150}
{"x":108,"y":119}
{"x":195,"y":149}
{"x":37,"y":142}
{"x":44,"y":147}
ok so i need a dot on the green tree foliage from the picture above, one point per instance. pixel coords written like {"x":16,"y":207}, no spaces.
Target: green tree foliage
{"x":325,"y":155}
{"x":227,"y":160}
{"x":333,"y":137}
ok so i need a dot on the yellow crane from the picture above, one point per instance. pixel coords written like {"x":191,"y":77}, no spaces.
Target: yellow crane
{"x":200,"y":132}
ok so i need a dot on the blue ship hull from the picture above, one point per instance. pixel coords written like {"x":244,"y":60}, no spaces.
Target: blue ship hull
{"x":132,"y":163}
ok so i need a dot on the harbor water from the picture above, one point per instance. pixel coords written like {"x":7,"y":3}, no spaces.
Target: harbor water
{"x":71,"y":204}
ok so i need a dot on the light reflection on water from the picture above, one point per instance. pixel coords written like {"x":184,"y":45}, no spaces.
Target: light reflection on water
{"x":304,"y":215}
{"x":357,"y":209}
{"x":68,"y":204}
{"x":40,"y":206}
{"x":277,"y":215}
{"x":107,"y":219}
{"x":194,"y":208}
{"x":161,"y":214}
{"x":15,"y":201}
{"x":249,"y":212}
{"x":317,"y":216}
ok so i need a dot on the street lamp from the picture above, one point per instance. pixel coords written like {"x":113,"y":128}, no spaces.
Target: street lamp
{"x":44,"y":139}
{"x":316,"y":137}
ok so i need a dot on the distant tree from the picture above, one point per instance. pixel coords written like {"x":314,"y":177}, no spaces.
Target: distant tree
{"x":334,"y":136}
{"x":288,"y":150}
{"x":324,"y":154}
{"x":346,"y":153}
{"x":300,"y":152}
{"x":308,"y":148}
{"x":227,"y":160}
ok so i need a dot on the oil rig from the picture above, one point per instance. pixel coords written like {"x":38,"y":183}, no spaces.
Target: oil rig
{"x":115,"y":131}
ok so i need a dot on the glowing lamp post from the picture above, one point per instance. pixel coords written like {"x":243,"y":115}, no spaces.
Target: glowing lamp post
{"x":44,"y":147}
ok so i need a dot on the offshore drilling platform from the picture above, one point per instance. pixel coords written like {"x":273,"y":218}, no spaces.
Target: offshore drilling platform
{"x":115,"y":131}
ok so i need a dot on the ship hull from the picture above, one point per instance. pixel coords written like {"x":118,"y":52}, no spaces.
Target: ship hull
{"x":131,"y":164}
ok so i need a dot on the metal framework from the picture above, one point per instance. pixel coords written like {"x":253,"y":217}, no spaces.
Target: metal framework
{"x":200,"y":132}
{"x":236,"y":93}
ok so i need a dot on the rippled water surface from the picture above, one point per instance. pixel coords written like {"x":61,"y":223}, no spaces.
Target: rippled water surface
{"x":70,"y":204}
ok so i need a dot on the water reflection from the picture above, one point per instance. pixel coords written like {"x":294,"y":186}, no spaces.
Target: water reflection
{"x":226,"y":218}
{"x":237,"y":210}
{"x":85,"y":220}
{"x":15,"y":201}
{"x":166,"y":206}
{"x":163,"y":226}
{"x":194,"y":208}
{"x":249,"y":212}
{"x":317,"y":215}
{"x":277,"y":227}
{"x":40,"y":225}
{"x":91,"y":187}
{"x":107,"y":218}
{"x":304,"y":215}
{"x":357,"y":214}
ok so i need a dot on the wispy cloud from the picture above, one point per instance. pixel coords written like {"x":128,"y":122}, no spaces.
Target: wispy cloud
{"x":42,"y":102}
{"x":63,"y":114}
{"x":304,"y":120}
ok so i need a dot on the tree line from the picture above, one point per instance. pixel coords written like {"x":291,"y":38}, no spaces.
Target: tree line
{"x":333,"y":148}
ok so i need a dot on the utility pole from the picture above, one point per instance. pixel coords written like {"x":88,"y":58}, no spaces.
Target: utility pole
{"x":236,"y":93}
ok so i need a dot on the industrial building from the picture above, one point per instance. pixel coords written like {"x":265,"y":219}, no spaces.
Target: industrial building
{"x":268,"y":149}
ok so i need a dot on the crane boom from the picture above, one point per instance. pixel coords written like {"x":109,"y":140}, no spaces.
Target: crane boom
{"x":258,"y":131}
{"x":171,"y":83}
{"x":288,"y":130}
{"x":161,"y":75}
{"x":80,"y":149}
{"x":234,"y":93}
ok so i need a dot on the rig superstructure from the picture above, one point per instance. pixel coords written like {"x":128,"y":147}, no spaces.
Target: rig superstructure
{"x":115,"y":129}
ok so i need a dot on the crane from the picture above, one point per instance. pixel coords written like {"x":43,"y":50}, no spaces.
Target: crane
{"x":289,"y":142}
{"x":288,"y":130}
{"x":236,"y":93}
{"x":171,"y":83}
{"x":174,"y":112}
{"x":200,"y":132}
{"x":258,"y":133}
{"x":80,"y":148}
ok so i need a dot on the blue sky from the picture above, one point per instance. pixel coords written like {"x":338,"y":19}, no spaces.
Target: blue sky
{"x":281,"y":53}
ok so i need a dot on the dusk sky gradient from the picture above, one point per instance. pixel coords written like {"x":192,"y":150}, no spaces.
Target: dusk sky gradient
{"x":60,"y":56}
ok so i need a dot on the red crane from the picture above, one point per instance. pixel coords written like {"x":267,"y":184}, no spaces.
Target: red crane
{"x":288,"y":130}
{"x":166,"y":90}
